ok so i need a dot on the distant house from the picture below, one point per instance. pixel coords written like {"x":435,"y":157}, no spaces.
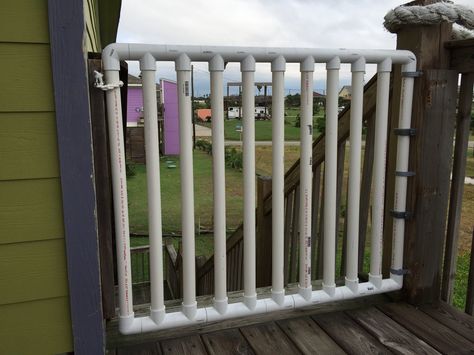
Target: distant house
{"x":346,"y":92}
{"x":261,"y":112}
{"x":318,"y":98}
{"x":135,"y":101}
{"x":203,"y":114}
{"x":169,"y":104}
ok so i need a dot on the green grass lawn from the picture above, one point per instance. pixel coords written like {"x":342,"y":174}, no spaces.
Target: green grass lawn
{"x":171,"y":192}
{"x":263,"y":129}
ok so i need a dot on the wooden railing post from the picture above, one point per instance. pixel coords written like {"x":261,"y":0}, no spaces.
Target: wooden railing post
{"x":434,"y":107}
{"x":264,"y":233}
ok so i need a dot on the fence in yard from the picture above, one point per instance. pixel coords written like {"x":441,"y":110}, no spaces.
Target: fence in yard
{"x":301,"y":196}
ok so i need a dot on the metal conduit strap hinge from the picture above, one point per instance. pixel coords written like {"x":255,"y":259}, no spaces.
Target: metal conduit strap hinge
{"x":411,"y":132}
{"x":412,"y":74}
{"x":401,"y":214}
{"x":399,"y":272}
{"x":405,"y":173}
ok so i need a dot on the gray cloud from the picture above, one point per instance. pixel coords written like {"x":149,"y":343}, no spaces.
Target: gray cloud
{"x":284,"y":23}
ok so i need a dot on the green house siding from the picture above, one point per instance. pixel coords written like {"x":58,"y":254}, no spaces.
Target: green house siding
{"x":34,"y":302}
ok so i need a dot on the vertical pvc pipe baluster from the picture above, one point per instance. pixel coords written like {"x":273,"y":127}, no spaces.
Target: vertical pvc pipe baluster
{"x":306,"y":172}
{"x":278,"y":178}
{"x":330,"y":176}
{"x":380,"y":151}
{"x":355,"y":140}
{"x":119,"y":186}
{"x":248,"y":119}
{"x":150,"y":108}
{"x":403,"y":150}
{"x":183,"y":69}
{"x":216,"y":68}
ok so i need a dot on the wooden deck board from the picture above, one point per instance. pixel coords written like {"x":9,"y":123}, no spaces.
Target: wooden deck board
{"x":190,"y":345}
{"x":454,"y":319}
{"x":143,"y":349}
{"x":369,"y":328}
{"x":309,"y":337}
{"x":349,"y":335}
{"x":389,"y":333}
{"x":268,"y":338}
{"x":229,"y":341}
{"x":423,"y":326}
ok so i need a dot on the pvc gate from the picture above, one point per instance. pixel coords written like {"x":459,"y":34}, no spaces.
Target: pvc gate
{"x":217,"y":57}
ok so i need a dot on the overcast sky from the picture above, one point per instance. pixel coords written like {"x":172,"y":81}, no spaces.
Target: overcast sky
{"x":277,"y":23}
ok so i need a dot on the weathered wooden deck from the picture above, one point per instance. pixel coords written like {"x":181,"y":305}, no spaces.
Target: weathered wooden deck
{"x":383,"y":328}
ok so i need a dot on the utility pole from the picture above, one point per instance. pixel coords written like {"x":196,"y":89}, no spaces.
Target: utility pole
{"x":192,"y":107}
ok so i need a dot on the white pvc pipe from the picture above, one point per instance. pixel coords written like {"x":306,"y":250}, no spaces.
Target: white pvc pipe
{"x":403,"y":150}
{"x":306,"y":173}
{"x":266,"y":305}
{"x":278,"y":178}
{"x":330,"y":175}
{"x":119,"y":186}
{"x":248,"y":121}
{"x":157,"y":305}
{"x":380,"y":152}
{"x":216,"y":68}
{"x":112,"y":54}
{"x":247,"y":56}
{"x":183,"y":69}
{"x":355,"y":139}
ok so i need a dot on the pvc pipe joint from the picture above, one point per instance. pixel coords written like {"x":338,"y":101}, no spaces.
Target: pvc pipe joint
{"x":307,"y":65}
{"x":221,"y":305}
{"x":278,"y":297}
{"x":190,"y":310}
{"x":158,"y":315}
{"x":353,"y":285}
{"x":147,"y":62}
{"x":183,"y":63}
{"x":333,"y":64}
{"x":358,"y":65}
{"x":248,"y":64}
{"x":385,"y":66}
{"x":216,"y":63}
{"x":376,"y":280}
{"x":305,"y":292}
{"x":278,"y":64}
{"x":250,"y":301}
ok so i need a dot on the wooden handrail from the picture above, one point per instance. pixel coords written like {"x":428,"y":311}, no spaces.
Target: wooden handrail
{"x":232,"y":241}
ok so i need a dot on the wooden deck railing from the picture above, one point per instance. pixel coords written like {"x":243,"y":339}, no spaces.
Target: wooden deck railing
{"x":460,"y":53}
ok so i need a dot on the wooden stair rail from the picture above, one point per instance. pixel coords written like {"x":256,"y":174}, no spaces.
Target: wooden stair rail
{"x":205,"y":274}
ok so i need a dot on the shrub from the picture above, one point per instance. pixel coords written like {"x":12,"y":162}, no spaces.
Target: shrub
{"x":233,"y":158}
{"x":204,"y":145}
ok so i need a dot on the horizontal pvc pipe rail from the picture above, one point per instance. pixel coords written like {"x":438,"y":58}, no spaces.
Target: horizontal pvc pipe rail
{"x":217,"y":57}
